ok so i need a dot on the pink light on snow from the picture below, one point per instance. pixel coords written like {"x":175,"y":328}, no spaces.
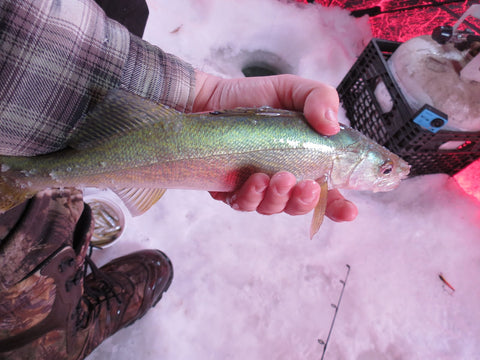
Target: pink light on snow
{"x":469,"y":179}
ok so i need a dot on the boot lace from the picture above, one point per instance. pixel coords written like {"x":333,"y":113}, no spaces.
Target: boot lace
{"x":103,"y":292}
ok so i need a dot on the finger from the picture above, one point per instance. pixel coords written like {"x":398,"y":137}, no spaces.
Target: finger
{"x":304,"y":198}
{"x":277,"y":194}
{"x":318,"y":101}
{"x":221,"y":196}
{"x":321,"y":110}
{"x":250,"y":194}
{"x":338,"y":208}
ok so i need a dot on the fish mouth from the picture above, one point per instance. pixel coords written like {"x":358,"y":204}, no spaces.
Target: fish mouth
{"x":404,"y":170}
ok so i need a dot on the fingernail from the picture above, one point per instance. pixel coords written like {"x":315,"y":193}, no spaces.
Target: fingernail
{"x":282,"y":190}
{"x":260,"y":188}
{"x":283,"y":182}
{"x":231,"y":200}
{"x":308,"y":196}
{"x":331,"y":117}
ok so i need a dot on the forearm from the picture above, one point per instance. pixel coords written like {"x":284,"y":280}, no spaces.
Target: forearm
{"x":158,"y":76}
{"x":59,"y":58}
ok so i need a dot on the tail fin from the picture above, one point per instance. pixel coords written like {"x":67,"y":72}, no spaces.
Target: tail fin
{"x":12,"y":193}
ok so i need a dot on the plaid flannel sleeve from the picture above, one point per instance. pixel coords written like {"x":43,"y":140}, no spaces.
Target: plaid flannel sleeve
{"x":58,"y":58}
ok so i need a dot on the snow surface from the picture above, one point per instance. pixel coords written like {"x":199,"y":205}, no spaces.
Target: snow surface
{"x":248,"y":286}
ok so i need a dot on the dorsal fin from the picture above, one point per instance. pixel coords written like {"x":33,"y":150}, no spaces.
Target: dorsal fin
{"x":119,"y":113}
{"x":261,"y":111}
{"x":138,"y":201}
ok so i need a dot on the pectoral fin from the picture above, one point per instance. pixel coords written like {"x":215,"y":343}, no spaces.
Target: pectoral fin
{"x":319,"y":212}
{"x":138,"y":201}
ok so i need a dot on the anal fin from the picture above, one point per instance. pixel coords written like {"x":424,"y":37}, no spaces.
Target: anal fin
{"x":138,"y":201}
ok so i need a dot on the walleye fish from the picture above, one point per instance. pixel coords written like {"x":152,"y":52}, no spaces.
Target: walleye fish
{"x":138,"y":148}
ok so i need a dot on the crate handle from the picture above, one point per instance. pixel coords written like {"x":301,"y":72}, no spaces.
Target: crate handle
{"x":473,"y":10}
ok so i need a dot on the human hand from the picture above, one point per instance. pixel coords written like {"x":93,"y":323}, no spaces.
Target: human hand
{"x":280,"y":193}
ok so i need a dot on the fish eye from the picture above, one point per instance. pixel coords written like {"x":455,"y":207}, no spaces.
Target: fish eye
{"x":387,"y":167}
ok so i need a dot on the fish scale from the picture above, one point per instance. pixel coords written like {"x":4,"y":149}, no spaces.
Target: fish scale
{"x":132,"y":145}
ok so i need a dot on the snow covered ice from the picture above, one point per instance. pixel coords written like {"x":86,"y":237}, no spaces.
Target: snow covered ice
{"x":248,"y":286}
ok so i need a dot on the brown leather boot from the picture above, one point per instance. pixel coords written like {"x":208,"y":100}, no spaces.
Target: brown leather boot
{"x":118,"y":294}
{"x":46,"y":313}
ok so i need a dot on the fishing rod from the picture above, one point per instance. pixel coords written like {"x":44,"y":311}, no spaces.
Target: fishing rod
{"x":336,"y":307}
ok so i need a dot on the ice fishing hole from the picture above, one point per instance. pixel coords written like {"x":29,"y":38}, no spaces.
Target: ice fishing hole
{"x":264,"y":63}
{"x":260,"y":69}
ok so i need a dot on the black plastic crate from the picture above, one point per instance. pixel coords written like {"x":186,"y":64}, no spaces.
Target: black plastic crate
{"x":395,"y":129}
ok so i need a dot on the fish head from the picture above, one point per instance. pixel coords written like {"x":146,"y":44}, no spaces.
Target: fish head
{"x":378,"y":170}
{"x":372,"y":167}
